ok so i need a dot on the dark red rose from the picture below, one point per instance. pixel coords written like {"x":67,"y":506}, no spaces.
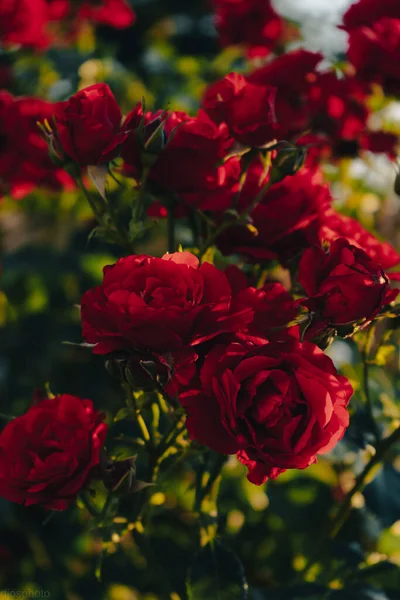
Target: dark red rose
{"x":23,"y":23}
{"x":253,"y":23}
{"x":287,"y":219}
{"x":114,"y":13}
{"x":51,"y":452}
{"x":337,"y":107}
{"x":293,"y":74}
{"x":190,"y":165}
{"x":247,"y":109}
{"x":374,"y":41}
{"x":160,"y":305}
{"x":24,"y":159}
{"x":343,"y":284}
{"x":275,"y":405}
{"x":365,"y":12}
{"x":334,"y":225}
{"x":89,"y":125}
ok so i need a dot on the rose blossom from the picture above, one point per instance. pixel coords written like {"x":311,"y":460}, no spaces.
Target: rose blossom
{"x":253,"y":23}
{"x":89,"y":125}
{"x":333,"y":225}
{"x":374,"y":41}
{"x":275,"y":405}
{"x":160,"y":305}
{"x":343,"y":284}
{"x":51,"y":452}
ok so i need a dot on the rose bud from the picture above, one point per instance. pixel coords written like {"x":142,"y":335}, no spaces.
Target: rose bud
{"x":276,"y":405}
{"x":160,"y":305}
{"x":343,"y":285}
{"x":89,"y":126}
{"x":51,"y":452}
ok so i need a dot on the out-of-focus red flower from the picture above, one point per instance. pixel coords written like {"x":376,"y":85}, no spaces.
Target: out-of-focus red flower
{"x":334,"y":225}
{"x":252,"y":23}
{"x":89,"y":126}
{"x":374,"y":41}
{"x":247,"y":109}
{"x":23,"y":22}
{"x":160,"y":305}
{"x":276,"y":405}
{"x":51,"y":452}
{"x":114,"y":13}
{"x":24,"y":158}
{"x":293,"y":75}
{"x":287,"y":219}
{"x":343,"y":284}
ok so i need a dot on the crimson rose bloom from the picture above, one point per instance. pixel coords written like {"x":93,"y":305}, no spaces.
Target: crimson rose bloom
{"x":247,"y":109}
{"x":334,"y":225}
{"x":343,"y":284}
{"x":275,"y":405}
{"x":160,"y":305}
{"x":374,"y":41}
{"x":287,"y":219}
{"x":89,"y":125}
{"x":50,"y":453}
{"x":253,"y":23}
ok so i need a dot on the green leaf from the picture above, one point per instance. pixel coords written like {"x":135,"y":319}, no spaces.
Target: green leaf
{"x":216,"y":574}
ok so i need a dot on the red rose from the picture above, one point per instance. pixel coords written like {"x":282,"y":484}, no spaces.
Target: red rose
{"x":51,"y":452}
{"x":287,"y":219}
{"x":276,"y":405}
{"x":293,"y":74}
{"x":24,"y":158}
{"x":374,"y":41}
{"x":343,"y":284}
{"x":253,"y":23}
{"x":114,"y":13}
{"x":89,"y":125}
{"x":190,"y":165}
{"x":160,"y":305}
{"x":334,"y":225}
{"x":23,"y":22}
{"x":365,"y":12}
{"x":247,"y":109}
{"x":337,"y":107}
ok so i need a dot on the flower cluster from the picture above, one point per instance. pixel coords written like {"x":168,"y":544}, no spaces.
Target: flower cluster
{"x":33,"y":23}
{"x":241,"y":352}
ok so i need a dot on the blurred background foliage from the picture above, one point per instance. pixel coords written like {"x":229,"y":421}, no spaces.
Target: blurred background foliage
{"x":47,"y":262}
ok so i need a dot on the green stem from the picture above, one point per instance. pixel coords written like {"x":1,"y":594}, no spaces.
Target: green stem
{"x":241,"y":219}
{"x":89,"y":504}
{"x":171,"y":231}
{"x":365,"y":367}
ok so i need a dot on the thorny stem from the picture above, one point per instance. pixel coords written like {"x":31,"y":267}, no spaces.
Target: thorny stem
{"x":365,"y":367}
